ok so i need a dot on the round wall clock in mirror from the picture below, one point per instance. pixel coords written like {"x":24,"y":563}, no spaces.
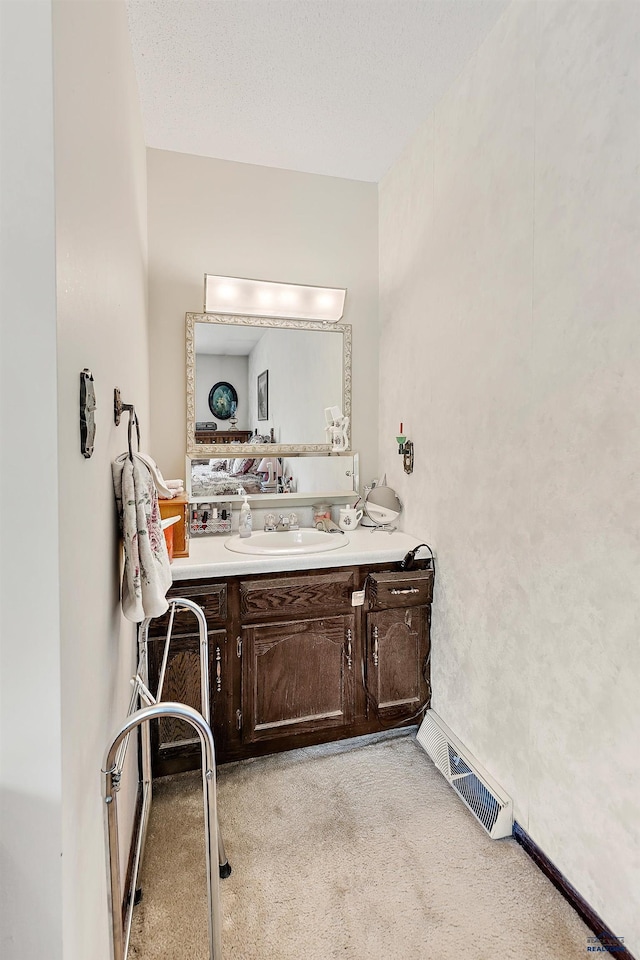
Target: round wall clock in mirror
{"x":223,"y":400}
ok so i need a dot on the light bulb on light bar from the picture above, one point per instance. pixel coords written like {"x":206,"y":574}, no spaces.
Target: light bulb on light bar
{"x":265,"y":298}
{"x":226,"y":291}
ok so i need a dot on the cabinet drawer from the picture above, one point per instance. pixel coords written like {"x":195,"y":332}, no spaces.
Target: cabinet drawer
{"x":400,"y":589}
{"x":211,"y":597}
{"x":294,"y":596}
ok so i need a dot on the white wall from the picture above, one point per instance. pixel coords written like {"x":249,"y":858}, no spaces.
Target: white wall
{"x":509,"y":251}
{"x":209,"y":370}
{"x":322,"y":474}
{"x":101,"y":235}
{"x":234,"y":219}
{"x":305,"y":376}
{"x":30,"y":734}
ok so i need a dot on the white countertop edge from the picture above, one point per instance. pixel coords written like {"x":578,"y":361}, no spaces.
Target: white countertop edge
{"x":210,"y":558}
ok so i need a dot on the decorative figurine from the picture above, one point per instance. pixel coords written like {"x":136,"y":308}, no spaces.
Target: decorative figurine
{"x":337,"y":429}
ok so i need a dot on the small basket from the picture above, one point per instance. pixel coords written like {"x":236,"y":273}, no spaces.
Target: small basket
{"x":210,"y":518}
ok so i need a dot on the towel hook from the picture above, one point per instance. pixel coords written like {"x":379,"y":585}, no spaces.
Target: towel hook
{"x":133,"y":418}
{"x":118,"y":408}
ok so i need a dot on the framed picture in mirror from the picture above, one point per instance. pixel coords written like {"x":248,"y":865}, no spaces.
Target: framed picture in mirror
{"x":263,"y":395}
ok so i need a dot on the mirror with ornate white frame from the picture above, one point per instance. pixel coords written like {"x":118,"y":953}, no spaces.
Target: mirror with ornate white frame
{"x":274,"y":378}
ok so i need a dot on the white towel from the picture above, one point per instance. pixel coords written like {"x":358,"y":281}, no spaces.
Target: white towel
{"x":147,"y":573}
{"x":167,"y":489}
{"x":163,"y":490}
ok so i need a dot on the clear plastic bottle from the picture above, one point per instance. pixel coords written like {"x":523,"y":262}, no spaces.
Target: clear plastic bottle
{"x":245,"y":522}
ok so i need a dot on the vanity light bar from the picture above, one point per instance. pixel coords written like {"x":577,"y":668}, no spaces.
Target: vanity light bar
{"x":264,"y":298}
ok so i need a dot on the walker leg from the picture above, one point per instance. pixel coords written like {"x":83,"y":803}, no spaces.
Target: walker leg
{"x":177,"y":602}
{"x":223,"y":863}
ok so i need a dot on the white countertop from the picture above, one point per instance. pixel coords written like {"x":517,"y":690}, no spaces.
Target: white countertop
{"x":208,"y":556}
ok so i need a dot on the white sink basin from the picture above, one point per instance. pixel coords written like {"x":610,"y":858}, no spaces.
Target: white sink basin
{"x":287,"y":542}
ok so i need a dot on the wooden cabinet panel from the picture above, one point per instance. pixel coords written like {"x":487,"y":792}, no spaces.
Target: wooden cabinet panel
{"x":296,"y":596}
{"x":297,"y":677}
{"x":175,"y":744}
{"x":399,"y":589}
{"x":223,"y":436}
{"x":397,"y":666}
{"x":212,"y":597}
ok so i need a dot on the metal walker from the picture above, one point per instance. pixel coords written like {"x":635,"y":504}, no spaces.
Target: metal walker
{"x":112,"y":769}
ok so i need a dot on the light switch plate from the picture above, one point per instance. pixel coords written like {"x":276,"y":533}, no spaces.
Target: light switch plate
{"x":357,"y":598}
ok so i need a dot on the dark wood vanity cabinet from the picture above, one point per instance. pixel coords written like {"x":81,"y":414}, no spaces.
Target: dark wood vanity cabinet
{"x":398,"y":642}
{"x":293,"y":662}
{"x":297,"y":677}
{"x":175,"y":744}
{"x":174,"y":740}
{"x":297,"y":637}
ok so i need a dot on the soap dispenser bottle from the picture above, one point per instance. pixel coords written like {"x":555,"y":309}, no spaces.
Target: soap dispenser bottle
{"x":245,"y":521}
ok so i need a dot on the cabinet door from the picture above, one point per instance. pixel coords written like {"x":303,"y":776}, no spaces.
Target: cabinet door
{"x":397,"y":661}
{"x":175,"y":743}
{"x":297,"y":677}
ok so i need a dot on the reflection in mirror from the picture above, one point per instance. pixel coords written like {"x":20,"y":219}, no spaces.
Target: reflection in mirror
{"x":256,"y":381}
{"x":288,"y":477}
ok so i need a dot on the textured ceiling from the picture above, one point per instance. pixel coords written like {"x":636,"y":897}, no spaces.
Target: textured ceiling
{"x":336,"y":87}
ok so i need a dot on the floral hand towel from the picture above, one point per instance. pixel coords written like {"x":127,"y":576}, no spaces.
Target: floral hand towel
{"x":147,"y":574}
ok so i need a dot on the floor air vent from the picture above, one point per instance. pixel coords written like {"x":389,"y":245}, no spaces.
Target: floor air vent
{"x":473,"y":785}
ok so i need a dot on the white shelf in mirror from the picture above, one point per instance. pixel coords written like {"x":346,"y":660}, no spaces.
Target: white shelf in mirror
{"x":268,"y":499}
{"x":333,"y":478}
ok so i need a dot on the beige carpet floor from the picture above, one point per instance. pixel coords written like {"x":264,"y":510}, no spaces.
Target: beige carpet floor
{"x":358,"y":851}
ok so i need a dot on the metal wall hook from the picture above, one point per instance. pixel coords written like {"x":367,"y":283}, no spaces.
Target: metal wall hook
{"x":119,"y":406}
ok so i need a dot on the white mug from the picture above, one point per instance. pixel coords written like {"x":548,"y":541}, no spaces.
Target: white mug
{"x":349,"y":518}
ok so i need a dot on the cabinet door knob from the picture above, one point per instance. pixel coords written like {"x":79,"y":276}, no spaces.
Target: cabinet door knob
{"x":375,"y":646}
{"x":349,"y":661}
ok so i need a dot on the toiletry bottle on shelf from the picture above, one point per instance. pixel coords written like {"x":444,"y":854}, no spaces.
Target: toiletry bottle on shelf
{"x":245,"y":522}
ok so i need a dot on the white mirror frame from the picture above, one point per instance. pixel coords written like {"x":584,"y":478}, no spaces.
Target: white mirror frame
{"x":198,"y":450}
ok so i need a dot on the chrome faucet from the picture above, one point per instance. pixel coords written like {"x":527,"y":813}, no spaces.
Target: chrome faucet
{"x":282,"y":523}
